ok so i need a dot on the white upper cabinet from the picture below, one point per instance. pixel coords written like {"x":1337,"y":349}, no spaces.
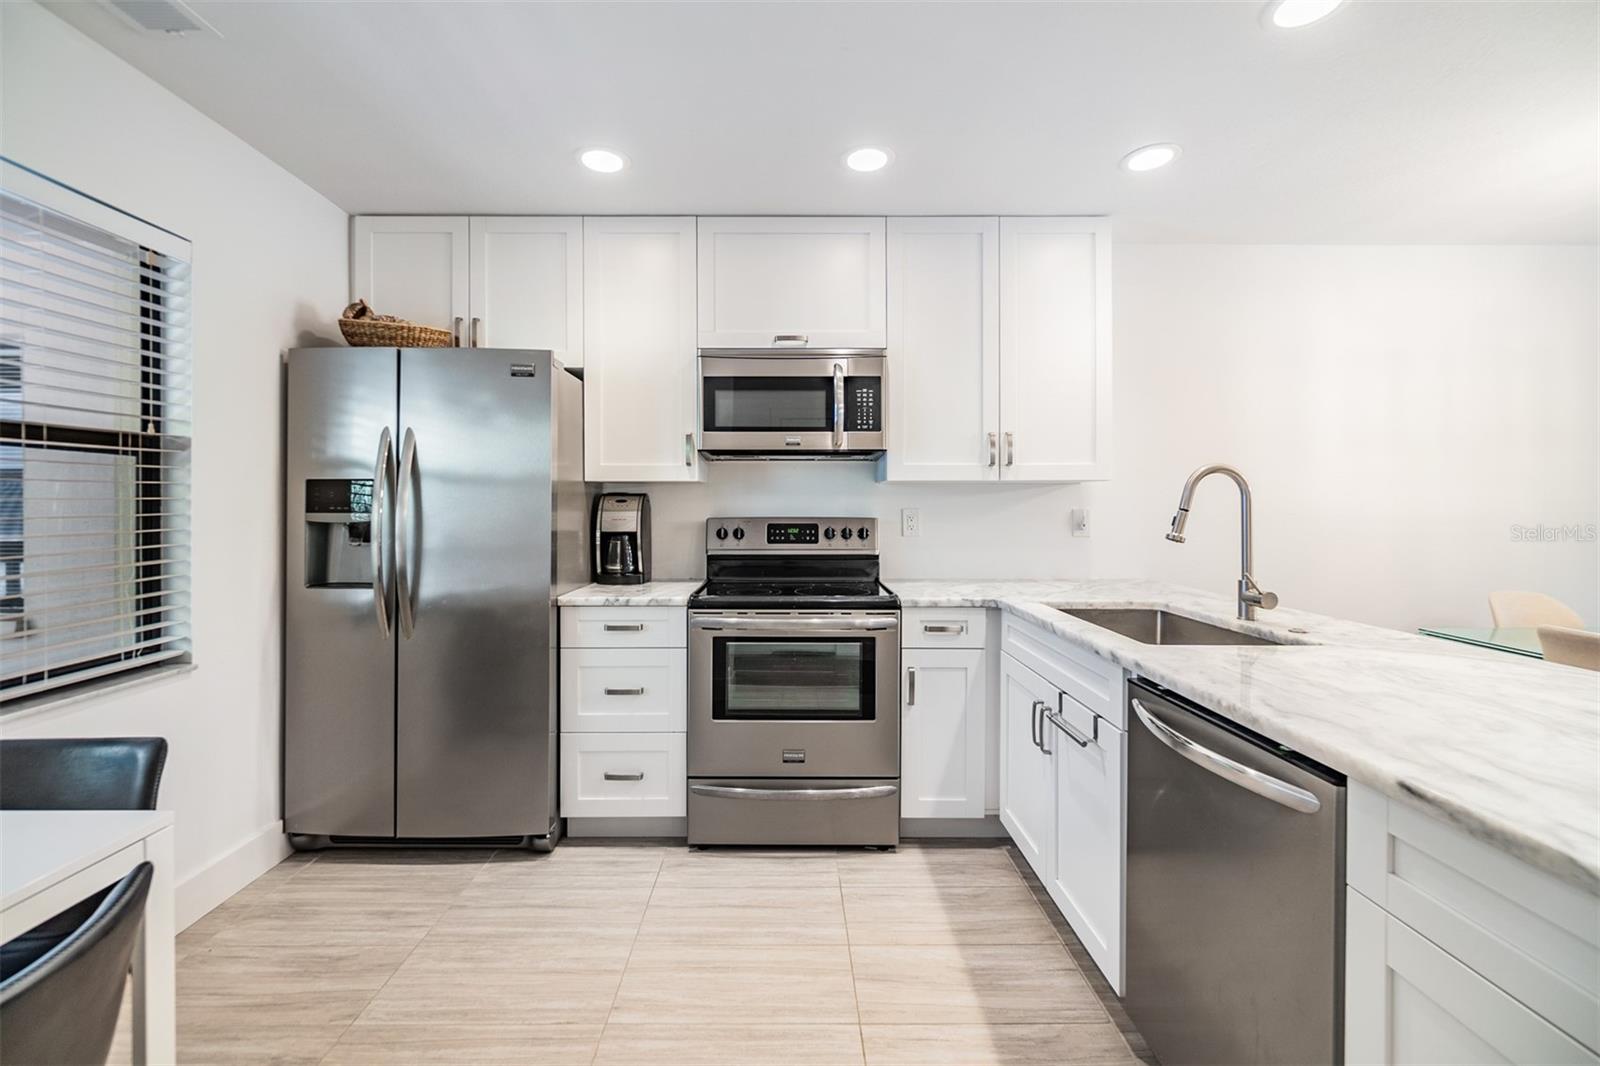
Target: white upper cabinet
{"x":810,"y":282}
{"x":639,"y":338}
{"x":414,"y":267}
{"x":526,"y":283}
{"x":944,"y":349}
{"x":1055,"y":349}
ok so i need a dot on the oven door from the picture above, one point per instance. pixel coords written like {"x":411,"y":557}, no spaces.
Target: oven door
{"x":794,"y":694}
{"x":775,"y":402}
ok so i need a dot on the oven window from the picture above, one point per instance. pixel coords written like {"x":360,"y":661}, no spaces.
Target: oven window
{"x":775,"y":405}
{"x":785,"y":679}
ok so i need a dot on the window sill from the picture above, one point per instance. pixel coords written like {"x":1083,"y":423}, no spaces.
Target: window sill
{"x":47,"y":702}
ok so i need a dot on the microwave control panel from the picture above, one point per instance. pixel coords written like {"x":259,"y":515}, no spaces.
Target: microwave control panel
{"x":863,"y":405}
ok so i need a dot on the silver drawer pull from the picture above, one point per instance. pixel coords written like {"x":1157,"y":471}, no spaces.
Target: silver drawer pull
{"x":962,"y":628}
{"x":619,"y":627}
{"x":790,"y":340}
{"x":1072,"y":734}
{"x":617,"y":775}
{"x":625,"y":692}
{"x":732,"y":792}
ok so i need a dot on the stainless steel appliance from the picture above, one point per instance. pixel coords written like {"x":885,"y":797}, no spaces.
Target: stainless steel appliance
{"x":791,"y":403}
{"x":794,"y":700}
{"x":1235,"y":905}
{"x":622,"y":538}
{"x":435,"y":507}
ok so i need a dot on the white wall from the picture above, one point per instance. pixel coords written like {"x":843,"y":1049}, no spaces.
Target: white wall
{"x":270,"y":269}
{"x":1397,"y":410}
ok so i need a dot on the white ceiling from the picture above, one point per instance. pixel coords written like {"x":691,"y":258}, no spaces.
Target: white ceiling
{"x":1390,"y":122}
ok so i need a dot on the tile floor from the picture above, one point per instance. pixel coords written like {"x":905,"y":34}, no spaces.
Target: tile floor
{"x":653,"y":953}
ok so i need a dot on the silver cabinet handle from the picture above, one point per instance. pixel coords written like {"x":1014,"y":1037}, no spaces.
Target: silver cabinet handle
{"x":382,"y":471}
{"x":856,"y":793}
{"x":936,"y":628}
{"x":790,"y":340}
{"x":455,"y":334}
{"x":476,"y":322}
{"x":911,"y":685}
{"x":838,"y":405}
{"x":404,"y":535}
{"x":768,"y":625}
{"x":1043,"y":709}
{"x":1011,"y":449}
{"x":624,"y":692}
{"x":688,"y":449}
{"x":617,"y":775}
{"x":1034,"y":727}
{"x":1061,"y":724}
{"x":623,"y":627}
{"x":1280,"y":792}
{"x":993,"y":449}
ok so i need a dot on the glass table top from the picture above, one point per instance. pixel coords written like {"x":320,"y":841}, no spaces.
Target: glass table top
{"x":1517,"y":641}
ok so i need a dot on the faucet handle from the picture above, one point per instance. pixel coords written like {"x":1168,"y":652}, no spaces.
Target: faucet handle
{"x":1252,"y":594}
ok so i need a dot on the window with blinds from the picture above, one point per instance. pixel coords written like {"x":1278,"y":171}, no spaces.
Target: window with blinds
{"x":94,"y":452}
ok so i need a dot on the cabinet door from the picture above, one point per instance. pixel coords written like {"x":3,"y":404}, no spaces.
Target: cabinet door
{"x":941,"y":724}
{"x":527,"y":285}
{"x":414,"y":267}
{"x":1409,"y":1001}
{"x":1027,"y":775}
{"x":639,"y":371}
{"x":820,"y":280}
{"x":944,"y":349}
{"x":1086,"y":874}
{"x":1055,"y":349}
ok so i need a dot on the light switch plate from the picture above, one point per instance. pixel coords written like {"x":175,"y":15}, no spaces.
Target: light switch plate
{"x":1079,"y":521}
{"x":910,"y":522}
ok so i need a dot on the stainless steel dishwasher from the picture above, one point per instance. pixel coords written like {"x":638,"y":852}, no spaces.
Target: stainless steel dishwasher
{"x":1235,"y":920}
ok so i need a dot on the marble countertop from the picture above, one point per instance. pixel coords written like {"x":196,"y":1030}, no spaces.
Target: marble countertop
{"x":651,"y":594}
{"x":1506,"y":747}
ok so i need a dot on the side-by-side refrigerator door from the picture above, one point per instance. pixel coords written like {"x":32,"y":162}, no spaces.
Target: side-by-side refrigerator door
{"x":473,"y":535}
{"x":339,"y":638}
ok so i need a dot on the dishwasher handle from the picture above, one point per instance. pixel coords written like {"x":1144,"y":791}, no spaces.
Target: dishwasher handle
{"x":1264,"y":785}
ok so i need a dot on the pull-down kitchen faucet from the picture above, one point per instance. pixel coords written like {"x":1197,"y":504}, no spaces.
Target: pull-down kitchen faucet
{"x":1250,"y":594}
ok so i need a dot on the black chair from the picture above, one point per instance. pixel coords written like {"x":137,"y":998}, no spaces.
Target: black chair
{"x":72,"y":774}
{"x":63,"y":1008}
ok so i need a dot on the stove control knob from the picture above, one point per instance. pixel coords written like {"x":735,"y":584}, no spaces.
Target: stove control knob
{"x":830,"y":533}
{"x":845,"y":533}
{"x":738,"y":534}
{"x":863,"y":532}
{"x":722,"y":532}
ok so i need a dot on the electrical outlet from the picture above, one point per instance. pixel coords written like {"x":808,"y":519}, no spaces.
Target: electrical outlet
{"x":1079,"y":521}
{"x":910,"y":522}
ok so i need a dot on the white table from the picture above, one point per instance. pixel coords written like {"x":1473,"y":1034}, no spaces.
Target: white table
{"x":50,"y":860}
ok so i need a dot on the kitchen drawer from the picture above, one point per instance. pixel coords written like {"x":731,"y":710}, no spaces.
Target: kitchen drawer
{"x":943,"y":627}
{"x":1092,"y":681}
{"x":624,"y":690}
{"x":624,"y":627}
{"x":623,"y":775}
{"x":1533,"y":935}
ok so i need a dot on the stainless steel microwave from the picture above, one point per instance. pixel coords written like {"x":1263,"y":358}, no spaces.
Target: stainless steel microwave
{"x":785,"y":404}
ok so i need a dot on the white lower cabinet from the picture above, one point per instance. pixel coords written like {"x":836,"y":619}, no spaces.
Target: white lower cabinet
{"x":944,"y":697}
{"x":1062,"y":800}
{"x":623,"y":775}
{"x":624,"y":690}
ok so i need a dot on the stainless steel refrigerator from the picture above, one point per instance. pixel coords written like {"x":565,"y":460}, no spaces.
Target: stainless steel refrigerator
{"x":435,"y":509}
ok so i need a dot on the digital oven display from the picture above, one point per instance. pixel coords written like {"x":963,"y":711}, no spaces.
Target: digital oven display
{"x":800,"y":533}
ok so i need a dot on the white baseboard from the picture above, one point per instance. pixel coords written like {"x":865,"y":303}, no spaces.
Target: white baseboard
{"x":208,"y":886}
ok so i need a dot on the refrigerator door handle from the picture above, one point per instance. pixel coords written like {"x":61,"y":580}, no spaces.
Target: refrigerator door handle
{"x":403,"y":536}
{"x":382,"y":473}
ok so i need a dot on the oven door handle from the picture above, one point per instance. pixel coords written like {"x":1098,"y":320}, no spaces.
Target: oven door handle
{"x":804,"y":625}
{"x":858,"y":792}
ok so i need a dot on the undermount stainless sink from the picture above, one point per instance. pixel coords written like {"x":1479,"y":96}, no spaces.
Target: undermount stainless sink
{"x":1148,"y":625}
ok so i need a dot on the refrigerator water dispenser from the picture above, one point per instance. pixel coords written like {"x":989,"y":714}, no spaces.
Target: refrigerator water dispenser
{"x":338,"y":532}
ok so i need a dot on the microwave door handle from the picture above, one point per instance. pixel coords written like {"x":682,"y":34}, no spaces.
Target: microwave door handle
{"x":838,"y":406}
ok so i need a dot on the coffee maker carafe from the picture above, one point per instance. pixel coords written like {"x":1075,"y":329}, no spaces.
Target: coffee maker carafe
{"x":622,"y":538}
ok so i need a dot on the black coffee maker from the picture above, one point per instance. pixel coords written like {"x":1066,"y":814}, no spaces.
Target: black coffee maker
{"x":622,"y":538}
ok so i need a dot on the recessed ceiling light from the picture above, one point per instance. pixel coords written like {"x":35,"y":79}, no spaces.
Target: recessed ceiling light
{"x":866,"y":160}
{"x":1150,"y":157}
{"x":1292,"y":14}
{"x":603,"y":160}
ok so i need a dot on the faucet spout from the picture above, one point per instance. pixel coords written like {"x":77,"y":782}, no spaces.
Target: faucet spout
{"x":1250,"y":595}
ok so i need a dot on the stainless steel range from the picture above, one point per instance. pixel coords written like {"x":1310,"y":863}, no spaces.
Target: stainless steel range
{"x":794,"y":671}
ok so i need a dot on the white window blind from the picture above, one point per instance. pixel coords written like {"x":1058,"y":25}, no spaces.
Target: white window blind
{"x":94,"y":451}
